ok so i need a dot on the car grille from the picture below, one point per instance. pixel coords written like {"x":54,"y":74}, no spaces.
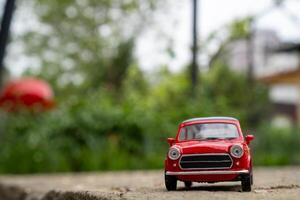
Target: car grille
{"x":206,"y":161}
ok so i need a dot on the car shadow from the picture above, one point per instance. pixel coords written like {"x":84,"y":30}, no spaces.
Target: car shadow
{"x":212,"y":188}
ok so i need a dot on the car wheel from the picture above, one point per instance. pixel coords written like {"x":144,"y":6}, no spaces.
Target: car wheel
{"x":187,"y":184}
{"x":251,"y":176}
{"x":246,"y":183}
{"x":170,"y":182}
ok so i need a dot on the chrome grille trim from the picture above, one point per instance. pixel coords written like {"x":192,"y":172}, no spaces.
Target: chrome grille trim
{"x":214,"y":172}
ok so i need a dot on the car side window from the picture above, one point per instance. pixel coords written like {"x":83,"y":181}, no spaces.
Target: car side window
{"x":182,"y":134}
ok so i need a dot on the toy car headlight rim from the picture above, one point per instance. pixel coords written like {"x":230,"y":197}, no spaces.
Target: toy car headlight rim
{"x":237,"y":151}
{"x":174,"y":153}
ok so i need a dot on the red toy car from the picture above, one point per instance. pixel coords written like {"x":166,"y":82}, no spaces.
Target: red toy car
{"x":209,"y":150}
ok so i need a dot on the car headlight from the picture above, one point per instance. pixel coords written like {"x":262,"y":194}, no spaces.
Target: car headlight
{"x":236,"y":151}
{"x":174,"y":153}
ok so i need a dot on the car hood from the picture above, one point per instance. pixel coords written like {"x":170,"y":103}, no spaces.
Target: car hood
{"x":208,"y":146}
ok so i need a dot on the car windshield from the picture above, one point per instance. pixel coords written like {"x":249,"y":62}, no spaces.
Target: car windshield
{"x":209,"y":131}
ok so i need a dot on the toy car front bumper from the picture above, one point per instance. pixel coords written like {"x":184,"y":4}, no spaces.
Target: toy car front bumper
{"x":207,"y":172}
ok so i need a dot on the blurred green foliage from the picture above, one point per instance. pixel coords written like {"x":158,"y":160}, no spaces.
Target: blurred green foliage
{"x":100,"y":132}
{"x":85,"y":44}
{"x":276,"y":146}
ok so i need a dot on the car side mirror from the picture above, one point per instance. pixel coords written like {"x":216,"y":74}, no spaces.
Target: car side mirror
{"x":171,"y":141}
{"x":249,"y":138}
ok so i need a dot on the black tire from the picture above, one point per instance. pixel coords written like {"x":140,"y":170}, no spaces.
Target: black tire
{"x":251,"y":176}
{"x":246,"y":182}
{"x":170,"y":182}
{"x":188,"y":184}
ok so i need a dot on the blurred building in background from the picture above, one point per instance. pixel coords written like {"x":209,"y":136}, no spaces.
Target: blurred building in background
{"x":276,"y":63}
{"x":286,"y":82}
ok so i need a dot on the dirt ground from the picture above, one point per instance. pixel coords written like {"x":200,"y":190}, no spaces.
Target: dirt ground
{"x":269,"y":183}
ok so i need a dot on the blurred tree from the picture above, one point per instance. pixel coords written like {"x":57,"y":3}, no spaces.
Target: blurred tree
{"x":115,"y":72}
{"x":4,"y":32}
{"x":86,"y":44}
{"x":227,"y":90}
{"x":238,"y":29}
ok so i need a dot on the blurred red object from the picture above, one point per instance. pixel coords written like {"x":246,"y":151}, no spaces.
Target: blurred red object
{"x":27,"y":93}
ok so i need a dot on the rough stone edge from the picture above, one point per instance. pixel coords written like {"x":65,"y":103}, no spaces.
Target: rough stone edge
{"x":11,"y":192}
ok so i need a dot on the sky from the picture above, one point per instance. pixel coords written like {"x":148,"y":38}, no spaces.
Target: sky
{"x":171,"y":29}
{"x":175,"y":23}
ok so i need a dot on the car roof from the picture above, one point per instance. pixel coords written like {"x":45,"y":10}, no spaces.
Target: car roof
{"x":210,"y":118}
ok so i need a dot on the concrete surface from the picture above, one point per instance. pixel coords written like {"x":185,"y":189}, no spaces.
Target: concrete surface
{"x":269,"y":183}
